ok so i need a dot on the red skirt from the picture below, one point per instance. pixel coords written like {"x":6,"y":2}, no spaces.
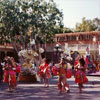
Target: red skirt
{"x":80,"y":77}
{"x":10,"y":77}
{"x":69,"y":73}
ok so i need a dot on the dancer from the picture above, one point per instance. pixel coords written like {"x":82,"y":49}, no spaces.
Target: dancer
{"x":80,"y":76}
{"x":44,"y":72}
{"x":10,"y":75}
{"x":63,"y":86}
{"x":17,"y":66}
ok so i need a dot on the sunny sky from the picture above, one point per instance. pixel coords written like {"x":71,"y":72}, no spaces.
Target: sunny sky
{"x":75,"y":10}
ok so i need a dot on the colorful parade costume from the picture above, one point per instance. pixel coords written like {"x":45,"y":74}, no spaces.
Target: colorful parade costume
{"x":69,"y":73}
{"x":80,"y":77}
{"x":10,"y":75}
{"x":62,"y":82}
{"x":90,"y":65}
{"x":44,"y":71}
{"x":18,"y":69}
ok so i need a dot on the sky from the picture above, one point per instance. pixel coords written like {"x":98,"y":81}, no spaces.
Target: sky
{"x":75,"y":10}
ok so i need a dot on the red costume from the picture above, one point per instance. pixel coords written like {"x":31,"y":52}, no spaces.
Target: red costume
{"x":44,"y":71}
{"x":62,"y":82}
{"x":18,"y":69}
{"x":10,"y":75}
{"x":69,"y":73}
{"x":80,"y":77}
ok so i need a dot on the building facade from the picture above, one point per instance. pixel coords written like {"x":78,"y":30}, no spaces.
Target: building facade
{"x":80,"y":41}
{"x":7,"y":50}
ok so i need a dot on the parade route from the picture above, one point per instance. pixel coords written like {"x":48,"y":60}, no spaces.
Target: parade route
{"x":49,"y":49}
{"x":36,"y":91}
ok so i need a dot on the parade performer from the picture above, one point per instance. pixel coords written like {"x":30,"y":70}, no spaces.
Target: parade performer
{"x":17,"y":66}
{"x":80,"y":76}
{"x":89,"y":61}
{"x":63,"y":86}
{"x":90,"y":64}
{"x":44,"y":72}
{"x":10,"y":75}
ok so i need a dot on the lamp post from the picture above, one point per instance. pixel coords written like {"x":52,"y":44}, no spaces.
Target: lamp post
{"x":57,"y":50}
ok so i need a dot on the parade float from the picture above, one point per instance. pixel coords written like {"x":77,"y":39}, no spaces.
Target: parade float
{"x":29,"y":69}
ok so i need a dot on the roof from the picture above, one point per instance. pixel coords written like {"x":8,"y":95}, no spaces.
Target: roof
{"x":79,"y":33}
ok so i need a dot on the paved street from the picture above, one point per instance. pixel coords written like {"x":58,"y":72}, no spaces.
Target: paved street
{"x":36,"y":91}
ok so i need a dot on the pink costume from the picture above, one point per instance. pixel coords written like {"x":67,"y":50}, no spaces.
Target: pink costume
{"x":10,"y":75}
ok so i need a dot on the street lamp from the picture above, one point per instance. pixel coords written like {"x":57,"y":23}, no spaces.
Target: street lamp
{"x":57,"y":49}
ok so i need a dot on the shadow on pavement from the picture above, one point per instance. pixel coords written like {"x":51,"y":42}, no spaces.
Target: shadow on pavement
{"x":36,"y":91}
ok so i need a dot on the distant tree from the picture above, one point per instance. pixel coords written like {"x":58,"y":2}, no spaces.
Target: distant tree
{"x":85,"y":26}
{"x":67,"y":30}
{"x":62,"y":30}
{"x":96,"y":22}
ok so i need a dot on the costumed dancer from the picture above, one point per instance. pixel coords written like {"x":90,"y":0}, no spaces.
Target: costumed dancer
{"x":17,"y":66}
{"x":80,"y":76}
{"x":89,"y":62}
{"x":44,"y":72}
{"x":63,"y":86}
{"x":10,"y":75}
